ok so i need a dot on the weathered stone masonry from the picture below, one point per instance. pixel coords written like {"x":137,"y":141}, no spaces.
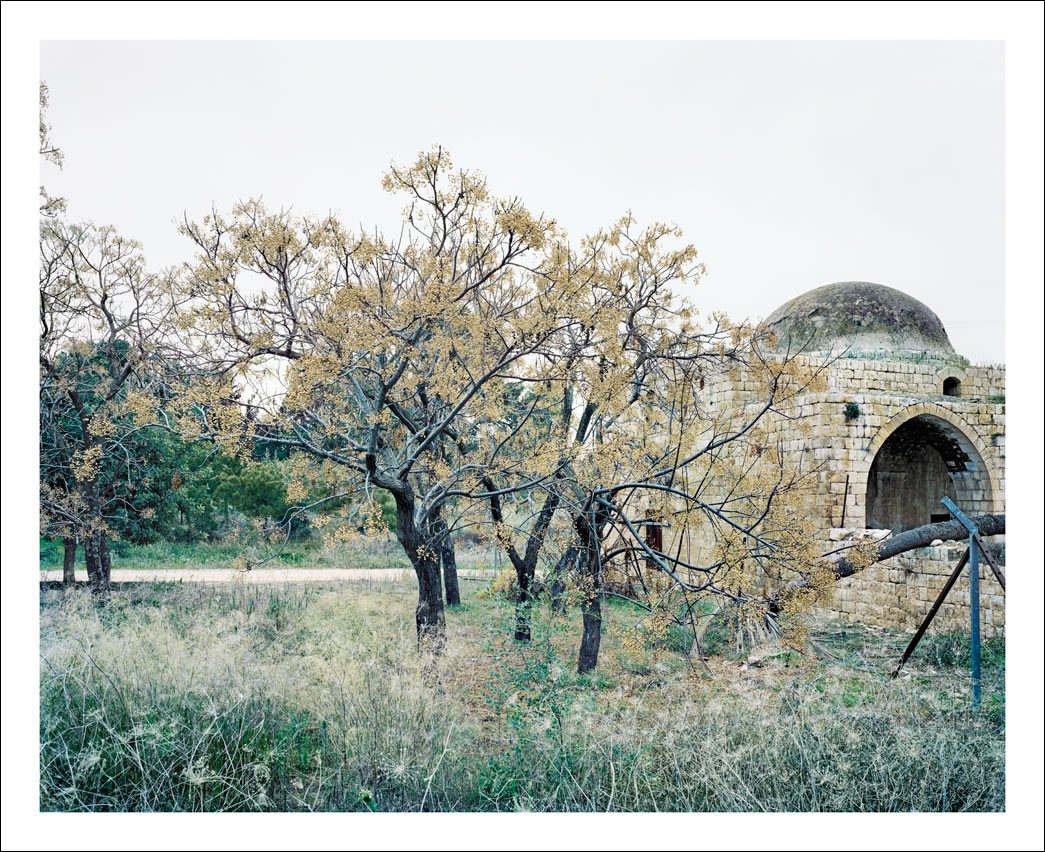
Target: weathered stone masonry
{"x":903,"y":422}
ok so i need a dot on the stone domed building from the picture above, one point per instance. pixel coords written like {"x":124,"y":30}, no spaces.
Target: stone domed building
{"x":904,"y":421}
{"x":859,"y":317}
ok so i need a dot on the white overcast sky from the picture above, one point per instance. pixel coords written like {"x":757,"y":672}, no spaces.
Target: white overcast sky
{"x":788,"y":164}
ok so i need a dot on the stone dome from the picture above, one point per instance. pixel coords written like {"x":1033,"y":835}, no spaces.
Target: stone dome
{"x":861,"y":317}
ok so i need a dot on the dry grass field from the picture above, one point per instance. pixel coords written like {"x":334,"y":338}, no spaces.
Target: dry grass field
{"x":312,"y":697}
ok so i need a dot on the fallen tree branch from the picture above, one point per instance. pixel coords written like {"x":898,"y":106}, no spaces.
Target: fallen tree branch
{"x":924,"y":536}
{"x":912,"y":539}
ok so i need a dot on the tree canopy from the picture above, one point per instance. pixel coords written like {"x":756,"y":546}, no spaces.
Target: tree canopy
{"x":479,"y":369}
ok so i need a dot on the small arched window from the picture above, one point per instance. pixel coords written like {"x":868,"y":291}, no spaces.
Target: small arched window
{"x":952,"y":387}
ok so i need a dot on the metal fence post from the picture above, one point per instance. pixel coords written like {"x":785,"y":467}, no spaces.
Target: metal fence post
{"x":974,"y":597}
{"x":974,"y":617}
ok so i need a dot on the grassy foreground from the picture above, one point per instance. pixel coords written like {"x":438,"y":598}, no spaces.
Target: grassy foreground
{"x":313,"y":698}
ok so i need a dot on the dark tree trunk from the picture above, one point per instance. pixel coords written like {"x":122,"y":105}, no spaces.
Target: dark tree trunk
{"x":590,"y":525}
{"x":90,"y":558}
{"x":95,"y":542}
{"x":106,"y":555}
{"x":96,"y":555}
{"x":449,"y":560}
{"x":523,"y":605}
{"x":69,"y":562}
{"x":925,"y":535}
{"x":557,"y":587}
{"x":591,"y":610}
{"x":525,"y":564}
{"x":431,"y":616}
{"x":557,"y":594}
{"x":422,"y":546}
{"x":591,"y":638}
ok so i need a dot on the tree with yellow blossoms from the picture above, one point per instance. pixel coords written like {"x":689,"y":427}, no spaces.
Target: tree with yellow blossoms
{"x":389,"y":359}
{"x":480,"y":357}
{"x":629,"y":442}
{"x":711,"y":476}
{"x":477,"y":368}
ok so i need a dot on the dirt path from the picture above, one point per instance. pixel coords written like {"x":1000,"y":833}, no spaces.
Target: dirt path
{"x":261,"y":575}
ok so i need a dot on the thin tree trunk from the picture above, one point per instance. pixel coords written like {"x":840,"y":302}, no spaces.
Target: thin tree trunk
{"x":90,"y":558}
{"x":525,"y":564}
{"x":591,"y":609}
{"x":557,"y":588}
{"x":590,"y":525}
{"x":69,"y":562}
{"x":449,"y":559}
{"x":523,"y":605}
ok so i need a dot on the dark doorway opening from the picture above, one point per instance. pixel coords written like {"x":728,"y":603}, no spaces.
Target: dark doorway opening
{"x":922,"y":461}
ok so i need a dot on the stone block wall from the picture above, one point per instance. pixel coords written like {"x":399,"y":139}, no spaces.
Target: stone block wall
{"x":916,"y":378}
{"x":838,"y":450}
{"x":899,"y":592}
{"x":818,"y":435}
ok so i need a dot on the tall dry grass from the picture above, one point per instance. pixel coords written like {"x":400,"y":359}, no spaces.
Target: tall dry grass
{"x":313,"y":698}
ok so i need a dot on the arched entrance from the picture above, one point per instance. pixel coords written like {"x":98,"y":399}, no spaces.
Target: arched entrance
{"x":922,"y":459}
